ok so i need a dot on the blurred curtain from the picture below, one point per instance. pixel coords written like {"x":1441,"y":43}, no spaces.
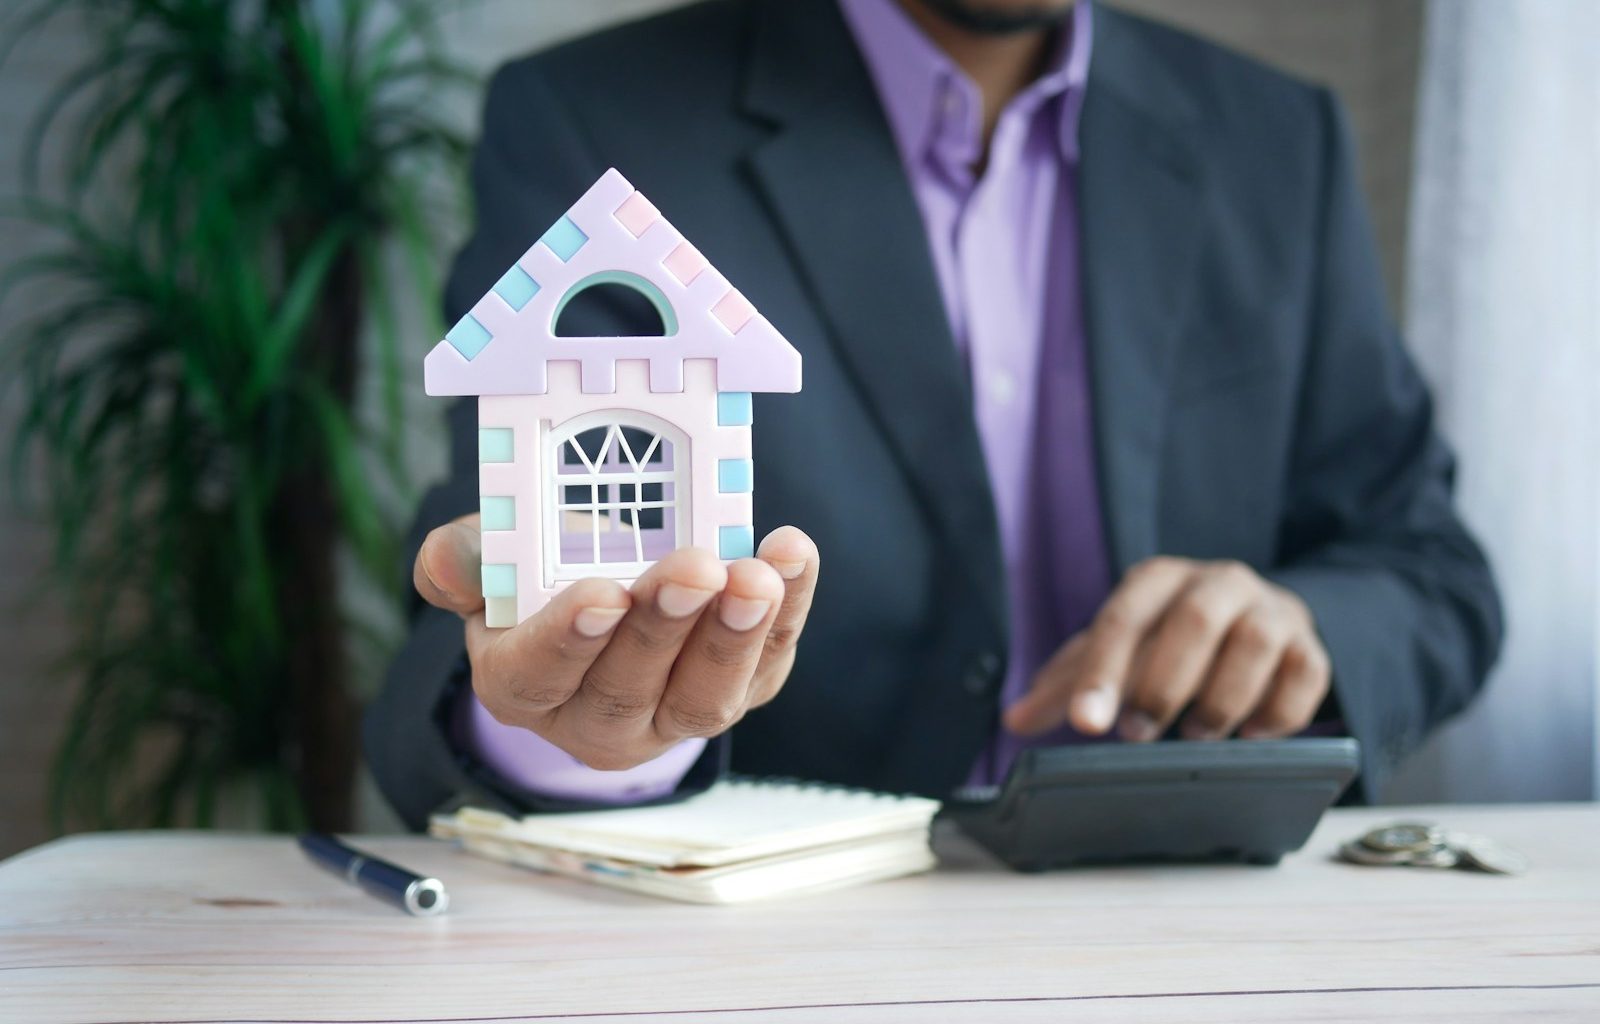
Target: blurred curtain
{"x":1503,"y":304}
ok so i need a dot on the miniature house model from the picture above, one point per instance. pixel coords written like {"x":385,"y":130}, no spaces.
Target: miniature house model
{"x":599,"y":455}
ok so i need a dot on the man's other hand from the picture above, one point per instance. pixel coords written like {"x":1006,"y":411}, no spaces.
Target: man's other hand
{"x":1210,"y":641}
{"x":616,"y":676}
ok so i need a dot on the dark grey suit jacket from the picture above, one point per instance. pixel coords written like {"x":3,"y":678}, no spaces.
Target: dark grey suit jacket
{"x":1252,"y":399}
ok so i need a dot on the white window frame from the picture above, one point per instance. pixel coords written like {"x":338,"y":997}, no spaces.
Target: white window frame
{"x":678,"y":476}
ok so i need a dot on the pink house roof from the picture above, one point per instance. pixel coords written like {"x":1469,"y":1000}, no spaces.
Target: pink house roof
{"x":612,"y":235}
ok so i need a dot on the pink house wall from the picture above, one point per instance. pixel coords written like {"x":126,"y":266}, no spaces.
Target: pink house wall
{"x":524,"y":479}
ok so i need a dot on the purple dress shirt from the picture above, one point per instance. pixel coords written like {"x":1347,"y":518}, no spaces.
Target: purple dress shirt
{"x":1005,"y":249}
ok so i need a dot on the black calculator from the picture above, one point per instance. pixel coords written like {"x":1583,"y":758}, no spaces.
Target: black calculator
{"x":1249,"y":801}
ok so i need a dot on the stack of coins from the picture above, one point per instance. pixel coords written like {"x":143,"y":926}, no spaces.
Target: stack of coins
{"x":1412,"y":844}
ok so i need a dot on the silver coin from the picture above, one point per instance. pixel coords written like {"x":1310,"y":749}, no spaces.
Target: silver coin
{"x":1436,"y":857}
{"x":1411,"y":836}
{"x":1357,"y":852}
{"x":1484,"y":854}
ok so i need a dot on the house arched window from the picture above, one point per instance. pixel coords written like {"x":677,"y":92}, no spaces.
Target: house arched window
{"x":639,"y":286}
{"x":616,"y":494}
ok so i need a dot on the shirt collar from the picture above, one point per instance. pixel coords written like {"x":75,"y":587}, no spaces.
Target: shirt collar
{"x":934,"y":109}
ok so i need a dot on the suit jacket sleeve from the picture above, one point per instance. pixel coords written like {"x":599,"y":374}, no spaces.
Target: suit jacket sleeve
{"x":531,"y":163}
{"x":1402,"y":595}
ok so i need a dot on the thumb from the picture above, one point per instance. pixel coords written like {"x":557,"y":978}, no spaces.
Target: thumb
{"x":448,"y":571}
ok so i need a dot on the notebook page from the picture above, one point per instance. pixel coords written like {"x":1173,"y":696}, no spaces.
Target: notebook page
{"x":827,"y":867}
{"x":735,"y":820}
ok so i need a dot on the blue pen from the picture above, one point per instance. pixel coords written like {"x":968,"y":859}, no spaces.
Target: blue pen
{"x":416,"y":895}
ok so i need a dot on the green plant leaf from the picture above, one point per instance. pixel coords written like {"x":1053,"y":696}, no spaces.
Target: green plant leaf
{"x":299,"y":302}
{"x":187,"y":377}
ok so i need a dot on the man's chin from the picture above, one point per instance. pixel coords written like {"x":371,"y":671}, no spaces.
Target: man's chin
{"x":998,"y":19}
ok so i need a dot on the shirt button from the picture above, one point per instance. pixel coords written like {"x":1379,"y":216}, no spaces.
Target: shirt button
{"x":983,"y":675}
{"x":1002,"y":387}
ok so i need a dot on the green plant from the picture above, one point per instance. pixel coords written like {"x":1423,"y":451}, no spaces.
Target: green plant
{"x":233,"y":173}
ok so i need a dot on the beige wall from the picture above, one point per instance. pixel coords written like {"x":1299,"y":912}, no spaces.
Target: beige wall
{"x":1366,"y":49}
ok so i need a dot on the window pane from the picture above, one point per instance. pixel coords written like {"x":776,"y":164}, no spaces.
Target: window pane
{"x":604,"y":521}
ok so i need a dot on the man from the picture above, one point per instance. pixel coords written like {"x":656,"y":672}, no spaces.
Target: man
{"x":1105,"y":430}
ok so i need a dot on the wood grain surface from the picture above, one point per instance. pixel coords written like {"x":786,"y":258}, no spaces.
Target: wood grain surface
{"x":198,"y":927}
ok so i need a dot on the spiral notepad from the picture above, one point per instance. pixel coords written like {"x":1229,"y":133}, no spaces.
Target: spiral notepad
{"x":742,"y":839}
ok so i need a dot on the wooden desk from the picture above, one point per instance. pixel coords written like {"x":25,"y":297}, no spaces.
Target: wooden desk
{"x":195,"y":927}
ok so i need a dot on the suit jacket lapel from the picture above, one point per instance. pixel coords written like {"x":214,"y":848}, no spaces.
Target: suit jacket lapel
{"x":1141,"y":184}
{"x":834,"y":182}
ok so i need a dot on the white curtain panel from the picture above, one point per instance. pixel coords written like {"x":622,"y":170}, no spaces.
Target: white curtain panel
{"x":1504,"y":315}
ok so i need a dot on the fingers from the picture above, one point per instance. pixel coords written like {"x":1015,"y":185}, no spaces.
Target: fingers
{"x":795,"y":558}
{"x":523,"y":674}
{"x":1057,"y":696}
{"x":615,"y":676}
{"x":1186,"y":642}
{"x":1212,"y":637}
{"x":1240,"y":676}
{"x":706,"y":690}
{"x":448,"y":569}
{"x":1087,"y":688}
{"x":615,"y":704}
{"x":1298,"y":690}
